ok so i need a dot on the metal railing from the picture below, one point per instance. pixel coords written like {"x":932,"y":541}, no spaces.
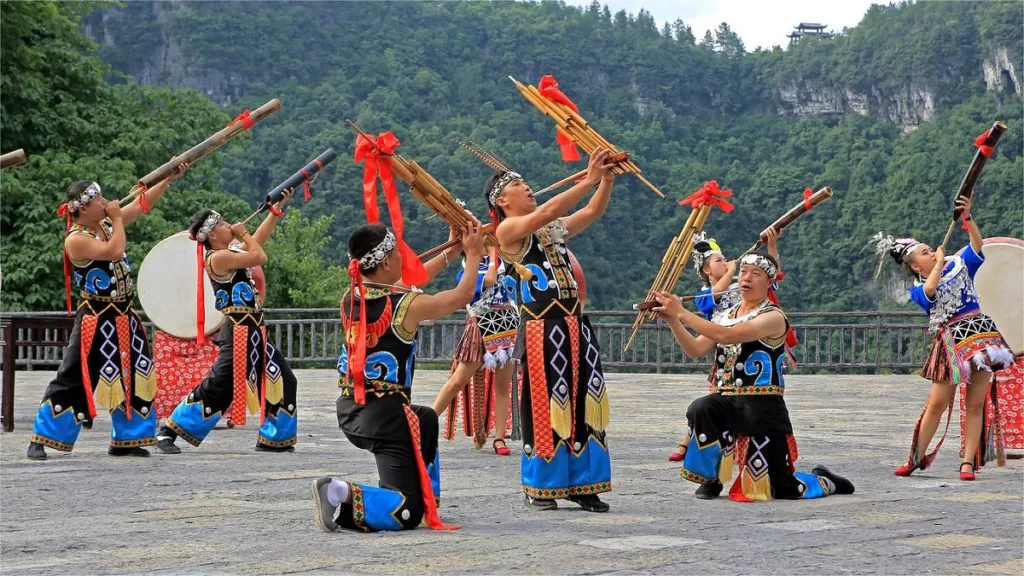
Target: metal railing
{"x":843,"y":341}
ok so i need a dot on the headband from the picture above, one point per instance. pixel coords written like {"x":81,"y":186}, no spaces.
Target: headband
{"x":92,"y":191}
{"x":505,"y":179}
{"x":762,"y":262}
{"x":374,"y":257}
{"x":208,"y":225}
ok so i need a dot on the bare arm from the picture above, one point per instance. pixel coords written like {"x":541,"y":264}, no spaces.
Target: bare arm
{"x":225,"y":261}
{"x":764,"y":326}
{"x":513,"y":229}
{"x":932,"y":282}
{"x":134,"y":209}
{"x":694,"y":347}
{"x":977,"y":243}
{"x":491,"y":276}
{"x":82,"y":247}
{"x":267,"y":227}
{"x":726,"y":280}
{"x":436,"y":306}
{"x":579,"y":221}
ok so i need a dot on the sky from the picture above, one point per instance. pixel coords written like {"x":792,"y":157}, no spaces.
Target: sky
{"x":760,"y":23}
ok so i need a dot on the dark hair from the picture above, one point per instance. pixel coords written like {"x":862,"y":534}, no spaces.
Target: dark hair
{"x":495,"y":209}
{"x":197,"y":221}
{"x":365,"y":238}
{"x":74,"y":191}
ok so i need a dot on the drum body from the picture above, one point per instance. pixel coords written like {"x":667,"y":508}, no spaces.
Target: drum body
{"x":167,"y":288}
{"x":1000,"y":284}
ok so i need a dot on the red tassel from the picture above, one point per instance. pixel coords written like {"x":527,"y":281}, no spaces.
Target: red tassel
{"x":963,"y":222}
{"x":307,"y":193}
{"x":548,"y":88}
{"x":200,"y":295}
{"x":986,"y":151}
{"x":430,"y":515}
{"x":357,"y":356}
{"x":66,"y":213}
{"x":142,"y":199}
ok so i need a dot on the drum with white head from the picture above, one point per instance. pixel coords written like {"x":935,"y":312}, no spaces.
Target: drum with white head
{"x":1000,"y":284}
{"x":167,"y":288}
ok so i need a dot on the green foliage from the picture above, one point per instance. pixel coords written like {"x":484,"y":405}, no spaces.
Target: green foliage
{"x":297,"y":273}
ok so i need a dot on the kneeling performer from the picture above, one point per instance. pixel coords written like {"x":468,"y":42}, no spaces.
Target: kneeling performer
{"x":377,"y":362}
{"x":748,"y":418}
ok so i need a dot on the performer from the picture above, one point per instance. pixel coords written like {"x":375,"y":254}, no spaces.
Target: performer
{"x":374,"y":410}
{"x":966,"y":348}
{"x":564,"y":410}
{"x":249,"y":373}
{"x":108,"y":360}
{"x":484,"y":354}
{"x":747,"y":418}
{"x":717,"y":276}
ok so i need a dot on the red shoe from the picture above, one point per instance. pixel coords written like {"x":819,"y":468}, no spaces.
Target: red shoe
{"x":677,"y":456}
{"x":501,"y":450}
{"x":967,"y":476}
{"x":908,"y":468}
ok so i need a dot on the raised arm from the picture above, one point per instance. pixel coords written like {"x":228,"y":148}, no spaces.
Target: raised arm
{"x":224,"y":261}
{"x":694,"y":347}
{"x":437,"y":306}
{"x":514,"y":228}
{"x":134,"y":209}
{"x":726,"y":280}
{"x":977,"y":243}
{"x":491,"y":276}
{"x":82,"y":247}
{"x":579,"y":221}
{"x":267,"y":227}
{"x":932,"y":282}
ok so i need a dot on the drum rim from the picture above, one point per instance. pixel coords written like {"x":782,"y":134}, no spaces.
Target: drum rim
{"x":213,"y":330}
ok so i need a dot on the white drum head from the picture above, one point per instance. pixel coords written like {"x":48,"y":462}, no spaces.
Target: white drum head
{"x":1000,"y":284}
{"x":167,"y":288}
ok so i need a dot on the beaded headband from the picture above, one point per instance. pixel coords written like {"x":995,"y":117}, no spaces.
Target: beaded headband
{"x":374,"y":257}
{"x":85,"y":197}
{"x":505,"y":179}
{"x":208,"y":225}
{"x":762,"y":262}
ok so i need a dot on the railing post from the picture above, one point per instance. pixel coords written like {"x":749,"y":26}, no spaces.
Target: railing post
{"x":878,"y":344}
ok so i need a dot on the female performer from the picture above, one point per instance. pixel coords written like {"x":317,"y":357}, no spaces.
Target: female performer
{"x":492,"y":321}
{"x":966,"y":348}
{"x":108,"y":357}
{"x":747,"y":418}
{"x":249,"y":371}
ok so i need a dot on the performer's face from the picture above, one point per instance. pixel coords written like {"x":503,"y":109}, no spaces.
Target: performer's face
{"x":923,"y":260}
{"x":517,"y":198}
{"x":221,"y":236}
{"x":92,"y":211}
{"x":715,"y":267}
{"x":753,"y":283}
{"x":390,"y":270}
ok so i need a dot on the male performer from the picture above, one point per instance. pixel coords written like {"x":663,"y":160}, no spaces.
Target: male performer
{"x":249,"y":373}
{"x":108,"y":360}
{"x":748,"y":414}
{"x":564,"y":409}
{"x":381,"y":318}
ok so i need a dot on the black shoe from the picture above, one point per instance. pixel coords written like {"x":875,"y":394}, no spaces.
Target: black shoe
{"x":265,"y":448}
{"x":166,"y":445}
{"x":709,"y":491}
{"x":87,"y":424}
{"x":843,"y":486}
{"x":142,"y":452}
{"x":590,"y":503}
{"x":36,"y":451}
{"x":540,"y":504}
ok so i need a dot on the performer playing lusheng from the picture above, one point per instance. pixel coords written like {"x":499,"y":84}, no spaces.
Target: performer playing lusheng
{"x":717,"y":276}
{"x":748,"y":417}
{"x":374,"y":410}
{"x":249,"y":371}
{"x":108,"y":360}
{"x":564,"y":409}
{"x":966,"y":348}
{"x":484,"y":354}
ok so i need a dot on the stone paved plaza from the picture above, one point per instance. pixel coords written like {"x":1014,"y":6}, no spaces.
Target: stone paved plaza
{"x":226,"y":509}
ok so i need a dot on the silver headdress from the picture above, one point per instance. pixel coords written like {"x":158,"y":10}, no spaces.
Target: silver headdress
{"x":901,"y":249}
{"x":208,"y":225}
{"x":703,"y":248}
{"x":762,"y":262}
{"x":374,"y":257}
{"x":85,"y":197}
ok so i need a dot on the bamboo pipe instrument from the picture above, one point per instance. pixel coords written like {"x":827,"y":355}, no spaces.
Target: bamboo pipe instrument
{"x":986,"y":141}
{"x":13,"y":158}
{"x":617,"y":158}
{"x":488,"y":229}
{"x":652,"y":304}
{"x":794,"y":213}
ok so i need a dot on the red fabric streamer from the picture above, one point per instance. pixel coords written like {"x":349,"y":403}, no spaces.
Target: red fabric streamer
{"x":376,"y":160}
{"x":963,"y":222}
{"x":430,"y":515}
{"x":307,"y":194}
{"x":143,"y":202}
{"x":985,"y":150}
{"x":548,"y":88}
{"x":276,"y":211}
{"x":65,"y":212}
{"x":242,"y":119}
{"x":357,"y":349}
{"x":807,"y":199}
{"x":709,"y":194}
{"x":200,"y":294}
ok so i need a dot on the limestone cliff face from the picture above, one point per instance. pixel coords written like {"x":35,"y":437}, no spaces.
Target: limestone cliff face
{"x":908,"y":107}
{"x":1000,"y":73}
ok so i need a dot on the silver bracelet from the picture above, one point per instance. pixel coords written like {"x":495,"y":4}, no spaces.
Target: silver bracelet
{"x":444,"y":256}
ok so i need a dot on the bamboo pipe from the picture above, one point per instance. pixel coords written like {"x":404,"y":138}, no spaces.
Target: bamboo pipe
{"x":617,"y":158}
{"x":793,"y":213}
{"x":651,"y":304}
{"x":13,"y":158}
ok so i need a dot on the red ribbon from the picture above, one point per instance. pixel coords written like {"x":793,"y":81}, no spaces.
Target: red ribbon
{"x":807,"y":199}
{"x":307,"y":194}
{"x":200,"y":294}
{"x":709,"y":194}
{"x":276,"y":211}
{"x":242,"y":119}
{"x":963,"y":222}
{"x":376,"y":160}
{"x":985,"y":150}
{"x":142,"y":198}
{"x":357,"y":349}
{"x":65,"y":212}
{"x":548,"y":88}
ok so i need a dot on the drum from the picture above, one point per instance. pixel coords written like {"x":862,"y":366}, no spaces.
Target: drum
{"x":1000,"y":284}
{"x":167,"y":288}
{"x":581,"y":280}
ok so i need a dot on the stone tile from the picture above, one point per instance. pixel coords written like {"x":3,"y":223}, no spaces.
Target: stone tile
{"x":651,"y":542}
{"x":947,"y":541}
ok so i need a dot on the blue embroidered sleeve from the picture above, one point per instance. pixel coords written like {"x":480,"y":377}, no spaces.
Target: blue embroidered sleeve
{"x":972,"y":260}
{"x":705,"y":302}
{"x":918,"y":296}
